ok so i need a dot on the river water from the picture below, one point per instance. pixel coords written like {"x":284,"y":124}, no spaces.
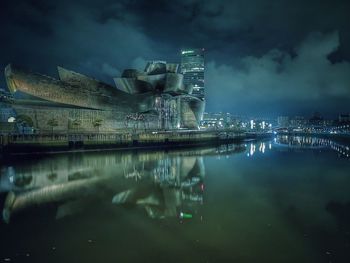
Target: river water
{"x":283,"y":200}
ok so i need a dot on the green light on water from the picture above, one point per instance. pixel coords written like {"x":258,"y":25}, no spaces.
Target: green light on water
{"x":185,"y":215}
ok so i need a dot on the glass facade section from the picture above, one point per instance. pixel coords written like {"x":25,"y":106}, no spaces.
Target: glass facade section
{"x":192,"y":67}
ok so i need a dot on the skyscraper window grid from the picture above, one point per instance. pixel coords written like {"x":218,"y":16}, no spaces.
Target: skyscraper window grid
{"x":192,"y":67}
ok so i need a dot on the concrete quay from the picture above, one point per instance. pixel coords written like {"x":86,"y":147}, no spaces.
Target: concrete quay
{"x":53,"y":142}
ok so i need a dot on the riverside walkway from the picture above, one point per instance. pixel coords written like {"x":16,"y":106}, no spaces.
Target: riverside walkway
{"x":97,"y":140}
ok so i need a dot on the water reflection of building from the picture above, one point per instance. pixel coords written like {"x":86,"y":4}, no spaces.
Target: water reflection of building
{"x":308,"y":142}
{"x":301,"y":141}
{"x":165,"y":184}
{"x":297,"y":143}
{"x":261,"y":147}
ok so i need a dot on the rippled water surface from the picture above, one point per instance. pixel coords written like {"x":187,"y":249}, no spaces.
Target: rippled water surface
{"x":284,"y":200}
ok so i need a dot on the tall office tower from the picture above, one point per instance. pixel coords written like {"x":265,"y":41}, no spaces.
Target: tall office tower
{"x":192,"y":67}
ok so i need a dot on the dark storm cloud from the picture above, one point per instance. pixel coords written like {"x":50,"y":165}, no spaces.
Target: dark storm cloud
{"x":28,"y":15}
{"x":257,"y":51}
{"x":277,"y":79}
{"x":247,"y":26}
{"x":77,"y":37}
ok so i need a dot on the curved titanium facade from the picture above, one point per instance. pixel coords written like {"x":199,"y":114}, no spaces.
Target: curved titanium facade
{"x":136,"y":92}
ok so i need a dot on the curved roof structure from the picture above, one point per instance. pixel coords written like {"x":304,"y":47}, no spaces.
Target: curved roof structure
{"x":135,"y":91}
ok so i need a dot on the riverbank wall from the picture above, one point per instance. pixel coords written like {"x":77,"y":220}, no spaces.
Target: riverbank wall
{"x":29,"y":143}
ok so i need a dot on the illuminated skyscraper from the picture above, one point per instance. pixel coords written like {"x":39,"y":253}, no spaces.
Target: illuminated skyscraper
{"x":192,"y":67}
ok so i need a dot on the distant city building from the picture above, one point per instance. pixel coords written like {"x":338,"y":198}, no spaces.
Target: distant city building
{"x":283,"y":121}
{"x":344,"y":118}
{"x":316,"y":120}
{"x":216,"y":120}
{"x":223,"y":120}
{"x":258,"y":124}
{"x":192,"y":67}
{"x":298,"y":122}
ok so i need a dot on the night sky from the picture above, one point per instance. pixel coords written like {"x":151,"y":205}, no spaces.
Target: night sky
{"x":263,"y":58}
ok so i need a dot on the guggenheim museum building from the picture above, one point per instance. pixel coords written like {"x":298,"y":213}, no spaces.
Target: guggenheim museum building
{"x":155,"y":98}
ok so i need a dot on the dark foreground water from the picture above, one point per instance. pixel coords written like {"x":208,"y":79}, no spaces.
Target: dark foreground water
{"x":284,"y":200}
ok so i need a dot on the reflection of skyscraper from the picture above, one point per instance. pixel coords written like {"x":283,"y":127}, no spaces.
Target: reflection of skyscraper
{"x":192,"y":67}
